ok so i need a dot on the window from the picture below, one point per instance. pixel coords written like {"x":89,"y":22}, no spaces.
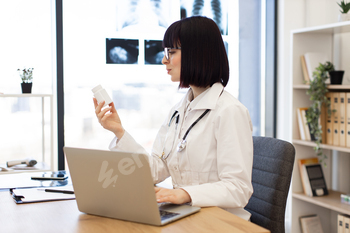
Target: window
{"x":27,"y":41}
{"x":257,"y":65}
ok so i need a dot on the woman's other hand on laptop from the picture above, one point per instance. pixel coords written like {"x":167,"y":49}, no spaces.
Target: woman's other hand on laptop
{"x":176,"y":196}
{"x":109,"y":118}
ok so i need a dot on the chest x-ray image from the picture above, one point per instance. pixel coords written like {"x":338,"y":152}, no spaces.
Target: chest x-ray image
{"x":154,"y":52}
{"x":214,"y":9}
{"x":143,"y":15}
{"x":122,"y":51}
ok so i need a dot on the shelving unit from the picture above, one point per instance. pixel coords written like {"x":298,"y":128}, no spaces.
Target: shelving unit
{"x":323,"y":146}
{"x":330,"y":87}
{"x":42,"y":165}
{"x":331,"y":201}
{"x":325,"y":39}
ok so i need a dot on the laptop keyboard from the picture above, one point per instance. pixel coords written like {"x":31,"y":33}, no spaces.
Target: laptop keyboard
{"x":164,"y":203}
{"x":165,"y":214}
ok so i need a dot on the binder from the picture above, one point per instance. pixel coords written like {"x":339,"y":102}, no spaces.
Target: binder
{"x":347,"y":125}
{"x":329,"y":125}
{"x":31,"y":195}
{"x":340,"y":219}
{"x":336,"y":118}
{"x":346,"y":223}
{"x":342,"y":119}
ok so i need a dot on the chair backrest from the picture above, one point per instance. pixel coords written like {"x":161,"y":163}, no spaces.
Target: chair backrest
{"x":272,"y":171}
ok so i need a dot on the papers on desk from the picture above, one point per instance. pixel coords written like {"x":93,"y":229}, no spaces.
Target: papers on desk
{"x":23,"y":180}
{"x":31,"y":195}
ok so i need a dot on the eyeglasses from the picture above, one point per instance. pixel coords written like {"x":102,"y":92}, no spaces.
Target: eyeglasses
{"x":166,"y":52}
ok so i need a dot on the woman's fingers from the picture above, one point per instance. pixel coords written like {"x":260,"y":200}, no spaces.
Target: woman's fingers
{"x":99,"y":107}
{"x":102,"y":113}
{"x":108,"y":117}
{"x":156,"y":189}
{"x":113,"y":110}
{"x":176,"y":196}
{"x":95,"y":102}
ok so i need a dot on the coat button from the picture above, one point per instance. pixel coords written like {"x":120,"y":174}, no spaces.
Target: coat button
{"x":176,"y":168}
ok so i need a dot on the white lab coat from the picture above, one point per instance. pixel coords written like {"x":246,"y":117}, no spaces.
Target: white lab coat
{"x":216,"y":165}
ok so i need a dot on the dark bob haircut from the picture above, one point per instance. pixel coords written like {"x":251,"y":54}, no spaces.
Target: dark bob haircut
{"x":203,"y":55}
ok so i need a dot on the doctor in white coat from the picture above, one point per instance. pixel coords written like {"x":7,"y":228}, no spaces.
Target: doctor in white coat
{"x":205,"y":143}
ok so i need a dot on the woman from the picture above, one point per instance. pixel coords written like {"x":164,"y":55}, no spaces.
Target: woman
{"x":205,"y":143}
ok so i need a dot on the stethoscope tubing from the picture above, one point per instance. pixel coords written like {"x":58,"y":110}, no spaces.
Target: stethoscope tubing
{"x":172,"y":117}
{"x":194,"y":123}
{"x":182,"y":144}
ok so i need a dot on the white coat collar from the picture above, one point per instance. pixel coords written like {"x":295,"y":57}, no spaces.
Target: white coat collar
{"x":208,"y":101}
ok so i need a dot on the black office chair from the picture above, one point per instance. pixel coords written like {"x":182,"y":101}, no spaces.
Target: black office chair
{"x":272,"y":171}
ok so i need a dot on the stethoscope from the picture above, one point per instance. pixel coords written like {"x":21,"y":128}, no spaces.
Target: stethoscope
{"x":182,"y":144}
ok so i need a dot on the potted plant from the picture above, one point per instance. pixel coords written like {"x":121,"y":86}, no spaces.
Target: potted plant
{"x":317,"y":92}
{"x":345,"y":7}
{"x":26,"y":77}
{"x":336,"y":76}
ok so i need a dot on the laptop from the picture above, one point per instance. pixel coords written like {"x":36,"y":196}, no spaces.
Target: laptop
{"x":119,"y":185}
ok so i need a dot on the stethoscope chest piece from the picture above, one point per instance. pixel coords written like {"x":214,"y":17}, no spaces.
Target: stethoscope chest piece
{"x":181,"y":146}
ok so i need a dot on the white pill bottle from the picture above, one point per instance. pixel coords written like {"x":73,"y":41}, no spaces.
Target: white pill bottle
{"x":101,"y":95}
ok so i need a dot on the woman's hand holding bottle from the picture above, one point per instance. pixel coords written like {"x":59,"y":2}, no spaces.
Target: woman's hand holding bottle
{"x":109,"y":118}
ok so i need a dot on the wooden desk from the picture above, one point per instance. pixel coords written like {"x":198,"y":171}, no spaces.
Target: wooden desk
{"x":64,"y":217}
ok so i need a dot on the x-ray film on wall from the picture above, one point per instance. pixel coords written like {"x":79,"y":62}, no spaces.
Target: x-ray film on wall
{"x":122,"y":51}
{"x":214,"y":9}
{"x":153,"y":52}
{"x":143,"y":15}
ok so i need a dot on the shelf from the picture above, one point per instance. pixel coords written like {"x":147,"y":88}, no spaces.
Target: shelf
{"x":323,"y":146}
{"x":301,"y":86}
{"x":39,"y":167}
{"x":334,"y":28}
{"x":331,"y":201}
{"x":25,"y":95}
{"x":330,"y":87}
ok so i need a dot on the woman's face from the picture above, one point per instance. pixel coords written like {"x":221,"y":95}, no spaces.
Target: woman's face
{"x":173,"y":65}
